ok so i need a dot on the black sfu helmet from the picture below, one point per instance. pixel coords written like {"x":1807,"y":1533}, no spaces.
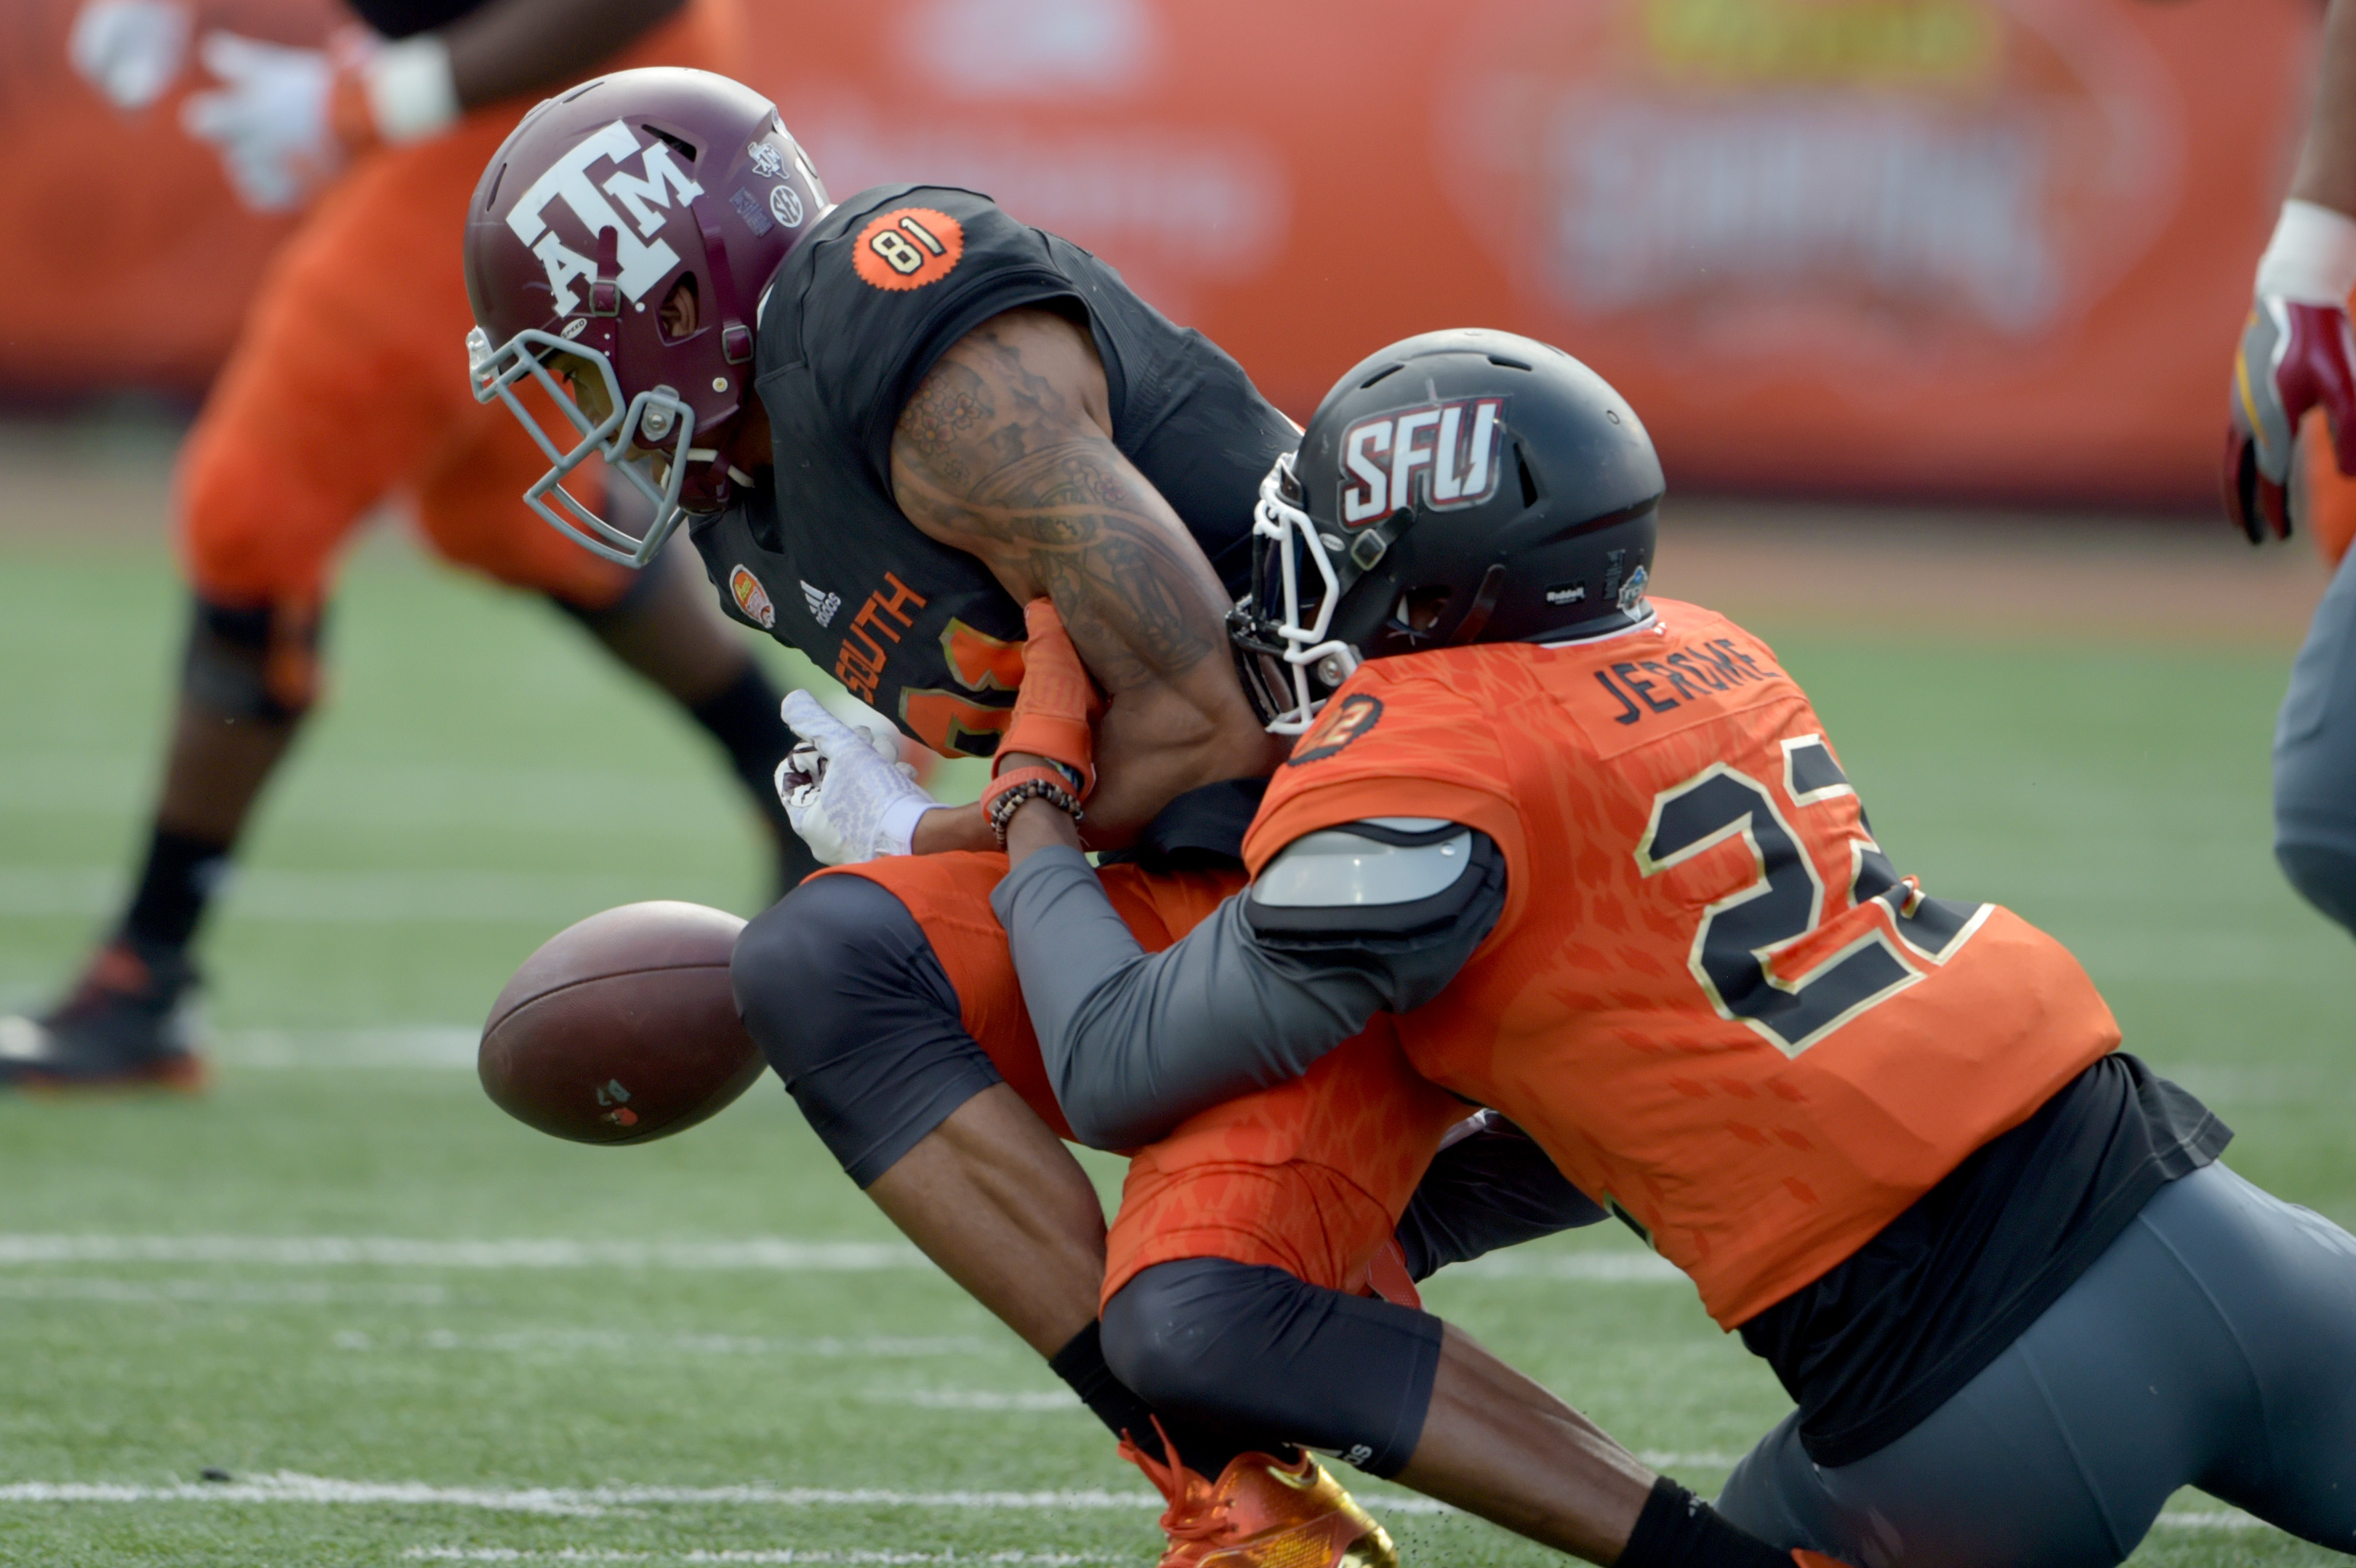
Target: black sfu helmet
{"x":1457,"y":487}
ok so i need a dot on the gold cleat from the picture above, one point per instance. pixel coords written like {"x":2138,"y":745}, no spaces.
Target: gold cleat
{"x":1262,"y":1513}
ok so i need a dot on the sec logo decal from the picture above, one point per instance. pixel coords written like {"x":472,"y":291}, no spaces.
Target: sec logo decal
{"x":907,"y":248}
{"x":1336,"y":727}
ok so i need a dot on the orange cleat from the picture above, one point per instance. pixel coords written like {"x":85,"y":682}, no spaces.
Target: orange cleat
{"x":1261,"y":1513}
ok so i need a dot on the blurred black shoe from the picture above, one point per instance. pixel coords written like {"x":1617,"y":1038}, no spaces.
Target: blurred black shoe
{"x":126,"y":1025}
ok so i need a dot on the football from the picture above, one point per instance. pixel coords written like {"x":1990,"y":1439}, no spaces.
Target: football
{"x":621,"y":1029}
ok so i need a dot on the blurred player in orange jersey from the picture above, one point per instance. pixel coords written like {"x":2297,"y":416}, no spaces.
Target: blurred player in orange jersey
{"x":2290,"y":459}
{"x":1588,"y":859}
{"x":346,"y":387}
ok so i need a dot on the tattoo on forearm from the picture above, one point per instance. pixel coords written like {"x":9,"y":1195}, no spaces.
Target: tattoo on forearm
{"x":987,"y":459}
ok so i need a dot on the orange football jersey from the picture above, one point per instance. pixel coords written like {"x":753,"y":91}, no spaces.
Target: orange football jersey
{"x":1710,"y":996}
{"x":1309,"y":1177}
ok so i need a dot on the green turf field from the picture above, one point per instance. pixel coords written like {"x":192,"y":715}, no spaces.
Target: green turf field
{"x":409,"y":1330}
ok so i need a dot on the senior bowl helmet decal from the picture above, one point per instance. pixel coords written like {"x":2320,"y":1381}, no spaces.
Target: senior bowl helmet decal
{"x":619,"y":242}
{"x":1466,"y":485}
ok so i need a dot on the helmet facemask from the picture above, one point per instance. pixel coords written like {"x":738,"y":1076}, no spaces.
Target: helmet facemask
{"x":1289,"y":664}
{"x":648,"y":441}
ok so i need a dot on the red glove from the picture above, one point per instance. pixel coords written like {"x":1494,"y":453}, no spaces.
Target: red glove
{"x":2292,"y":358}
{"x":1807,"y":1559}
{"x":1057,"y":705}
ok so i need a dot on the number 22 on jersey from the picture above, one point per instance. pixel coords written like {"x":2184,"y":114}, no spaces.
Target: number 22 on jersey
{"x":1770,"y":955}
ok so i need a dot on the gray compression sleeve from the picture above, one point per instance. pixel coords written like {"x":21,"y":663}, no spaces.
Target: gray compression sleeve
{"x":1135,"y":1043}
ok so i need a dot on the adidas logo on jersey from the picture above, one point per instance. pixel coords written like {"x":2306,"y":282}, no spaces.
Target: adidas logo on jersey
{"x":1442,"y":457}
{"x":822,"y":605}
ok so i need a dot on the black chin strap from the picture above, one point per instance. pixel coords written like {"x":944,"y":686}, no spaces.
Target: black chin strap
{"x":1485,"y":604}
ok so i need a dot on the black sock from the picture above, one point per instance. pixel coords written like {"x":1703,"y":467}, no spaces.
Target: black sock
{"x":1205,"y":1450}
{"x":742,"y":718}
{"x":178,"y":881}
{"x":1677,"y":1529}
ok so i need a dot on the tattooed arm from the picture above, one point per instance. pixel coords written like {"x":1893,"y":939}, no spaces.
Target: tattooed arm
{"x":1006,"y":452}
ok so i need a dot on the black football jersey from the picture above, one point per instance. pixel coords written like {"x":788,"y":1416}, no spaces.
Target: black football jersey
{"x":821,"y":557}
{"x":401,"y":19}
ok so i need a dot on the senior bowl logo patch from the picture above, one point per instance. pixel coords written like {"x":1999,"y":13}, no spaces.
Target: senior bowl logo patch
{"x":907,"y":248}
{"x":753,"y":598}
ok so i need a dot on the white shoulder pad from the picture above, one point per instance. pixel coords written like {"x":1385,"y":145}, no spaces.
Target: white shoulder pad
{"x":1385,"y":860}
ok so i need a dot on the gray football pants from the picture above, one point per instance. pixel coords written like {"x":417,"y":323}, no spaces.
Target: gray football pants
{"x":2213,"y":1344}
{"x":2314,"y":757}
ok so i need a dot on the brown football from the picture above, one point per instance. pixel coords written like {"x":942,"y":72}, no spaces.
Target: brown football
{"x":621,"y":1029}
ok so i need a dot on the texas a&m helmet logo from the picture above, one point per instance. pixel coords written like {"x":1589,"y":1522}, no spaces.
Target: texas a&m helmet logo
{"x":643,"y":259}
{"x":1442,"y":456}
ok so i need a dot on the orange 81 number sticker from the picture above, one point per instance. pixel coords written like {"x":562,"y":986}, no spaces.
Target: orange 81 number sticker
{"x":908,"y":247}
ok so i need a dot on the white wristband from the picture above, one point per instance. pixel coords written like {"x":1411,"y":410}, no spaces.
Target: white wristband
{"x":410,"y":94}
{"x":896,"y":833}
{"x":2312,"y":258}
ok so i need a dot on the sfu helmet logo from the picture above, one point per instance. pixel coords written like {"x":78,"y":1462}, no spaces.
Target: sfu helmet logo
{"x":1443,"y":457}
{"x":644,"y":260}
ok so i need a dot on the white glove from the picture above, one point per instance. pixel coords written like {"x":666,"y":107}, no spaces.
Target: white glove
{"x":846,"y":791}
{"x":268,"y":120}
{"x":130,"y":49}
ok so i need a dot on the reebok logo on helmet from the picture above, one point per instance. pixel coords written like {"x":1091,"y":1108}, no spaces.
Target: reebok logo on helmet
{"x":643,"y":259}
{"x":1444,"y":456}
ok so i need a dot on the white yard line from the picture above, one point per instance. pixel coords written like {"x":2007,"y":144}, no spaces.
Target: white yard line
{"x":239,"y":1293}
{"x":288,"y":1487}
{"x":545,"y":1340}
{"x":430,"y":1047}
{"x":773,"y":1254}
{"x":768,"y":1255}
{"x":744,"y":1554}
{"x":1028,"y":1402}
{"x":349,"y":897}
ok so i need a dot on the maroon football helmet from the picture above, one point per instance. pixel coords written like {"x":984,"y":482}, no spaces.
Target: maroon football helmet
{"x":620,"y":240}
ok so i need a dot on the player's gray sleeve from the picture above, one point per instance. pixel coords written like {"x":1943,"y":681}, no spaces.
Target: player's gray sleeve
{"x":2211,"y":1345}
{"x":2314,"y":757}
{"x":1135,"y":1043}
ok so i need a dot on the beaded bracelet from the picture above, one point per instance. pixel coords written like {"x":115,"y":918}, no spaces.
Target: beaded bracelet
{"x":1007,"y":796}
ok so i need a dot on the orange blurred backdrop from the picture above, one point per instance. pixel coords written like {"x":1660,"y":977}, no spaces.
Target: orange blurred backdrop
{"x":1901,"y":247}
